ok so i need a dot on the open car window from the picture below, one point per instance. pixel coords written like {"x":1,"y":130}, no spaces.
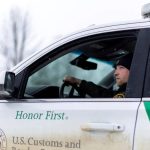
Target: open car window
{"x":92,"y":61}
{"x":51,"y":76}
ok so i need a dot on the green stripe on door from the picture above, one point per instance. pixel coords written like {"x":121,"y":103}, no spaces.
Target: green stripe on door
{"x":147,"y":107}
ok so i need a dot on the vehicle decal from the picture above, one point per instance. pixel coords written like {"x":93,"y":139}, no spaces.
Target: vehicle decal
{"x":3,"y":140}
{"x":147,"y":107}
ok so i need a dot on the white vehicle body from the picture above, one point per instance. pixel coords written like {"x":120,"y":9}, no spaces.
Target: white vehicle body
{"x":38,"y":114}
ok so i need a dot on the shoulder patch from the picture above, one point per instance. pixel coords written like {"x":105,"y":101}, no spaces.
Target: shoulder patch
{"x":119,"y":95}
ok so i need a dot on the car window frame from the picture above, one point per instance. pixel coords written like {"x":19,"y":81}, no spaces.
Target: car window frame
{"x":146,"y":89}
{"x":22,"y":81}
{"x":137,"y":76}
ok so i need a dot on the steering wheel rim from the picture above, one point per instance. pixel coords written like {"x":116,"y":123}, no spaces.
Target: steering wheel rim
{"x":73,"y":87}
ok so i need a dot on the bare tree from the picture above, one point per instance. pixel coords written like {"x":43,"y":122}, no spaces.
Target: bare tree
{"x":16,"y":36}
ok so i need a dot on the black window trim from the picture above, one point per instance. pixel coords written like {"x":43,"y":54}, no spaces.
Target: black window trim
{"x":146,"y":90}
{"x":22,"y":77}
{"x":138,"y":68}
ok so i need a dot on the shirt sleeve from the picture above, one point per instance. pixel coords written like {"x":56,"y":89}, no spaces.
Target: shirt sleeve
{"x":94,"y":90}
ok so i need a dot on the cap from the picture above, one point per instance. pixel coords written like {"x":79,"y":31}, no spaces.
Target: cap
{"x":125,"y":61}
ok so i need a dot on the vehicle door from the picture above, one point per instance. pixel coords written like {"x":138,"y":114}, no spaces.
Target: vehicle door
{"x":38,"y":118}
{"x":142,"y":136}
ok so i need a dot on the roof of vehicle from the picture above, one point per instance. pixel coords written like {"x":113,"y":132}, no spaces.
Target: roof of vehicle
{"x":93,"y":29}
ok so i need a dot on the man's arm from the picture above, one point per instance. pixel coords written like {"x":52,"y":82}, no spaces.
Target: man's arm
{"x":89,"y":88}
{"x":94,"y":90}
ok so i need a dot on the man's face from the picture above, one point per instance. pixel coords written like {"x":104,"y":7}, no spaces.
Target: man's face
{"x":121,"y":75}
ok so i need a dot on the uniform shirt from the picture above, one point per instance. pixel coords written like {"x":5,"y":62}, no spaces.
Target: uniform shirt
{"x":97,"y":91}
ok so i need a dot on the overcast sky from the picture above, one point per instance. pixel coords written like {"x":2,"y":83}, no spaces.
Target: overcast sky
{"x":52,"y":18}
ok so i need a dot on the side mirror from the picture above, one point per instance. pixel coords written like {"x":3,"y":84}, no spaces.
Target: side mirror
{"x":9,"y":82}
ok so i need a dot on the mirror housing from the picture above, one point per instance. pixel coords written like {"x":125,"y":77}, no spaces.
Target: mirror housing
{"x":82,"y":62}
{"x":9,"y":82}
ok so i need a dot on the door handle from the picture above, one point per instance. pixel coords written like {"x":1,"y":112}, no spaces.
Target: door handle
{"x":108,"y":127}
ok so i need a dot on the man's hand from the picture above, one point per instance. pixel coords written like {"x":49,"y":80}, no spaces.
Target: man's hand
{"x":72,"y":80}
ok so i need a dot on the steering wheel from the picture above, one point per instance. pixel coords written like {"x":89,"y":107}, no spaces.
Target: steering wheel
{"x":71,"y":92}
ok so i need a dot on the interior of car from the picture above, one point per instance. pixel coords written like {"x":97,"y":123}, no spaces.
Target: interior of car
{"x":93,"y":61}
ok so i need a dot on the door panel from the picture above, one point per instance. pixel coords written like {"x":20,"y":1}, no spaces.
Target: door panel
{"x":61,"y":125}
{"x":142,"y":136}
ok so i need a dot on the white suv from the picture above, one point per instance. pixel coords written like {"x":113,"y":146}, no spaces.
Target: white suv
{"x":39,"y":112}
